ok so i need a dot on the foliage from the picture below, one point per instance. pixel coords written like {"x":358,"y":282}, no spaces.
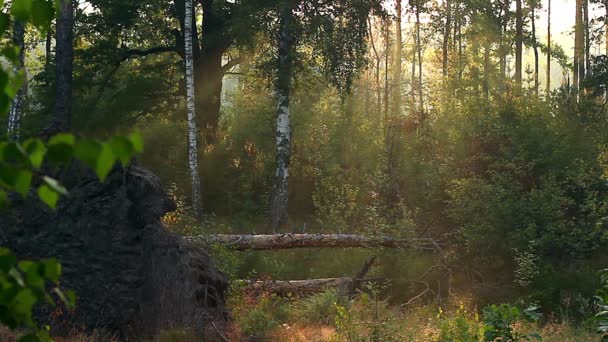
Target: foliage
{"x":498,"y":323}
{"x":320,"y":308}
{"x":602,"y":305}
{"x":24,"y":284}
{"x":459,"y":326}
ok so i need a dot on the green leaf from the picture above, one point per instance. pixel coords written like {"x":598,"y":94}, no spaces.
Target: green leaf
{"x":3,"y":198}
{"x":105,"y":162}
{"x":48,"y":196}
{"x":68,"y":298}
{"x":35,"y":150}
{"x":122,"y":148}
{"x":42,"y":14}
{"x":62,"y":138}
{"x":137,"y":141}
{"x":11,"y":53}
{"x":15,"y":179}
{"x":7,"y":261}
{"x":55,"y":185}
{"x":5,"y":22}
{"x":88,"y":151}
{"x":21,"y":9}
{"x":52,"y":269}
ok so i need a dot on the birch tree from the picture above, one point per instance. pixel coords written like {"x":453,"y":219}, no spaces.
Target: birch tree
{"x":192,"y":129}
{"x":548,"y":49}
{"x":15,"y":112}
{"x":280,"y":196}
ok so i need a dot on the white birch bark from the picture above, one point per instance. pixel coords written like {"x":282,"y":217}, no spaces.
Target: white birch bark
{"x":192,"y":129}
{"x":280,"y":194}
{"x":15,"y":112}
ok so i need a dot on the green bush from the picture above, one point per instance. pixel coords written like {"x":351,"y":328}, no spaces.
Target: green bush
{"x":320,"y":307}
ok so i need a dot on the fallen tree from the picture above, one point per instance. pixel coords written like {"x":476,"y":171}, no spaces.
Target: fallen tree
{"x":302,"y":287}
{"x":287,"y":241}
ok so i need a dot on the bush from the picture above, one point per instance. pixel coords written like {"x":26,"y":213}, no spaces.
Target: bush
{"x":320,"y":307}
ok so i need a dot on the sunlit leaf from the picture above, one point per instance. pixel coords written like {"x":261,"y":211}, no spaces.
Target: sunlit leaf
{"x":105,"y":162}
{"x":21,"y":9}
{"x":87,"y":151}
{"x":35,"y":150}
{"x":55,"y":185}
{"x":137,"y":141}
{"x":122,"y":148}
{"x":48,"y":196}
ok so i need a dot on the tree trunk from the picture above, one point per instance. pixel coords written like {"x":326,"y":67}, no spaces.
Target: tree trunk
{"x":386,"y":87}
{"x":419,"y":50}
{"x":190,"y":101}
{"x":397,"y":62}
{"x":486,"y":69}
{"x":519,"y":38}
{"x":47,"y":56}
{"x":587,"y":38}
{"x":535,"y":47}
{"x":64,"y":60}
{"x":548,"y":80}
{"x":579,"y":65}
{"x":290,"y":241}
{"x":446,"y":39}
{"x":16,"y":109}
{"x":280,"y":195}
{"x":297,"y":287}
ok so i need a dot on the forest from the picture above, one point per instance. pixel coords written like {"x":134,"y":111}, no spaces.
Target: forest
{"x":303,"y":170}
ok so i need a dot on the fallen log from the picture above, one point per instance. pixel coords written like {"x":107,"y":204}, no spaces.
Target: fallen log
{"x":288,"y":241}
{"x":285,"y":287}
{"x":300,"y":287}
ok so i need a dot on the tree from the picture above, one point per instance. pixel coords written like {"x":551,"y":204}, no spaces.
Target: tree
{"x":533,"y":6}
{"x":64,"y":60}
{"x":397,"y":62}
{"x":519,"y":40}
{"x":548,"y":80}
{"x":190,"y":100}
{"x":579,"y":49}
{"x":15,"y":113}
{"x":285,"y":41}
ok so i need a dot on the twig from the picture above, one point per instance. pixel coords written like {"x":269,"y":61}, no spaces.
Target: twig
{"x":219,"y":333}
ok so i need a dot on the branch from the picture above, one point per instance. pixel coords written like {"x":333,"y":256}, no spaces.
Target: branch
{"x":129,"y":53}
{"x":231,"y":64}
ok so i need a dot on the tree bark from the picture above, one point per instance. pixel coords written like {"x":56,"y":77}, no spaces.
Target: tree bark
{"x":290,"y":241}
{"x":446,"y":39}
{"x":579,"y":65}
{"x":190,"y":101}
{"x":535,"y":47}
{"x":64,"y":60}
{"x":280,"y":195}
{"x":548,"y":80}
{"x":16,"y":109}
{"x":419,"y":51}
{"x":299,"y":287}
{"x":397,"y":62}
{"x":587,"y":38}
{"x":519,"y":38}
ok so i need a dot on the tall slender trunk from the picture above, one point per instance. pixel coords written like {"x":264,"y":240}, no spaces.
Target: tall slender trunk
{"x":519,"y":38}
{"x":486,"y":69}
{"x":503,"y":32}
{"x":378,"y":61}
{"x":446,"y":38}
{"x":386,"y":85}
{"x":535,"y":47}
{"x":280,"y":196}
{"x":47,"y":55}
{"x":397,"y":62}
{"x":413,"y":76}
{"x":16,"y":109}
{"x":579,"y":65}
{"x":197,"y":204}
{"x":606,"y":26}
{"x":548,"y":86}
{"x":419,"y":50}
{"x":64,"y":60}
{"x":587,"y":37}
